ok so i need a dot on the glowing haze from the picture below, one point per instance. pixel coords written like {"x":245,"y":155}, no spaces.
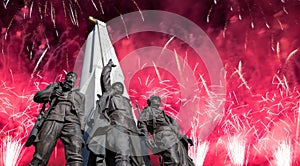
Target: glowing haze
{"x":256,"y":40}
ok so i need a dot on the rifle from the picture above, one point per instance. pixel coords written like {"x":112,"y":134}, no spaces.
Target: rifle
{"x":138,"y":108}
{"x":40,"y":120}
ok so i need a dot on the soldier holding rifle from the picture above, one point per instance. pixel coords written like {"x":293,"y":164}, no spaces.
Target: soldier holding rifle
{"x":63,"y":119}
{"x":167,"y":141}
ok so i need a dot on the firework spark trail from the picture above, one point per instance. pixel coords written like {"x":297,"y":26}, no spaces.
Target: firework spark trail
{"x":209,"y":12}
{"x":30,"y":10}
{"x":11,"y":151}
{"x":39,"y":61}
{"x":101,"y":7}
{"x":64,"y":7}
{"x":202,"y":149}
{"x":251,"y":17}
{"x":73,"y":15}
{"x":264,"y":17}
{"x":124,"y":25}
{"x":137,"y":6}
{"x":178,"y":63}
{"x":236,"y":149}
{"x":280,"y":24}
{"x":52,"y":12}
{"x":204,"y":84}
{"x":5,"y":3}
{"x":167,"y":43}
{"x":291,"y":55}
{"x":240,"y":74}
{"x":157,"y":72}
{"x":95,"y":6}
{"x":280,"y":82}
{"x":283,"y":154}
{"x":278,"y":50}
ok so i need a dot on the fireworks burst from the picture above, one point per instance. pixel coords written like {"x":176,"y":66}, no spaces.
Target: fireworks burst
{"x":11,"y":151}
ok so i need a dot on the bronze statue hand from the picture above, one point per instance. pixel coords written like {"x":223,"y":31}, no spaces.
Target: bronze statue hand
{"x":150,"y":143}
{"x":110,"y":63}
{"x":57,"y":92}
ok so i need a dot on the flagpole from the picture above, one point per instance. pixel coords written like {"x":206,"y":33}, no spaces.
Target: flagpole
{"x":96,"y":21}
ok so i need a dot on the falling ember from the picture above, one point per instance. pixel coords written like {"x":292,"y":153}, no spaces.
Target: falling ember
{"x":208,"y":14}
{"x":283,"y":154}
{"x":236,"y":149}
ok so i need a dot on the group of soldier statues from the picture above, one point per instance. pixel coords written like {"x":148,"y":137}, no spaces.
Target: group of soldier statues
{"x":114,"y":138}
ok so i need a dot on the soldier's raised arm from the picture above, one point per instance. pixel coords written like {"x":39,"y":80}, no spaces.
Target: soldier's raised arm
{"x":105,"y":76}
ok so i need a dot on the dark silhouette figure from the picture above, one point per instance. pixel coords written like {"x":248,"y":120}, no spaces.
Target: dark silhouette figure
{"x":167,"y":140}
{"x":65,"y":121}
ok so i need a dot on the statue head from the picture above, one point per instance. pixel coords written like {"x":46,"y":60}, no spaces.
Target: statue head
{"x":70,"y":80}
{"x":118,"y":88}
{"x":154,"y":101}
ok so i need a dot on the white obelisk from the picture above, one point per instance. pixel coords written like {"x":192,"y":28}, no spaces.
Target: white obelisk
{"x":98,"y":50}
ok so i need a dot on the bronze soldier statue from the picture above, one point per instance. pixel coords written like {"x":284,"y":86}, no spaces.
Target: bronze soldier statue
{"x":113,"y":140}
{"x":65,"y":120}
{"x":165,"y":132}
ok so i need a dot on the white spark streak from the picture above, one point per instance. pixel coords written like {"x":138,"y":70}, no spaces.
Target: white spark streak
{"x":283,"y":154}
{"x":278,"y":50}
{"x":52,"y":11}
{"x":137,"y":6}
{"x":204,"y":84}
{"x":126,"y":31}
{"x":202,"y":149}
{"x":5,"y":3}
{"x":236,"y":149}
{"x":239,"y":72}
{"x":39,"y":61}
{"x":11,"y":150}
{"x":291,"y":55}
{"x":101,"y":6}
{"x":168,"y":42}
{"x":178,"y":64}
{"x":157,"y":72}
{"x":252,"y":24}
{"x":285,"y":11}
{"x":194,"y":70}
{"x":30,"y":10}
{"x":280,"y":24}
{"x":208,"y":14}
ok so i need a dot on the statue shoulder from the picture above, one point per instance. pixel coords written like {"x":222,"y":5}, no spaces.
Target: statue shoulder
{"x":147,"y":110}
{"x":78,"y":93}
